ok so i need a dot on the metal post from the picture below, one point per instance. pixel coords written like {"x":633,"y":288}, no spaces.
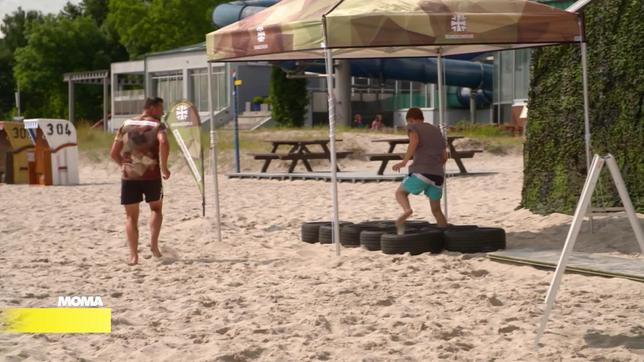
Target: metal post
{"x":334,"y":182}
{"x":472,"y":105}
{"x":18,"y":98}
{"x":235,"y":123}
{"x":213,"y":153}
{"x":411,"y":94}
{"x":105,"y":104}
{"x":441,"y":120}
{"x":584,"y":77}
{"x":626,"y":200}
{"x":70,"y":95}
{"x":575,"y":227}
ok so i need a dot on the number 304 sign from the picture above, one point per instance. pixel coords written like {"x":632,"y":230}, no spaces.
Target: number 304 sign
{"x":58,"y":129}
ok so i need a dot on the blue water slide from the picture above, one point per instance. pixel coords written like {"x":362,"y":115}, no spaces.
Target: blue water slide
{"x":229,"y":13}
{"x":458,"y":72}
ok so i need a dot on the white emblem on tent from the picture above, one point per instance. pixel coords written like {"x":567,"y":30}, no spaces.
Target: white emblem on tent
{"x":261,"y":34}
{"x":182,"y":113}
{"x":459,"y":23}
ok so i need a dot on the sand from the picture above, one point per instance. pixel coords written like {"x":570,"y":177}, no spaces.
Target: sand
{"x":263,"y":295}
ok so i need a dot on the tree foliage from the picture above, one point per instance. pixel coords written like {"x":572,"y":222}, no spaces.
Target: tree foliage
{"x":155,"y":25}
{"x":555,"y":162}
{"x":37,"y":50}
{"x":14,"y":27}
{"x":288,"y":98}
{"x":59,"y":45}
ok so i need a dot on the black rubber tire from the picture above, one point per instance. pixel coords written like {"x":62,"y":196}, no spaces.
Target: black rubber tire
{"x":370,"y":239}
{"x":414,"y":224}
{"x":350,"y":234}
{"x":311,"y":230}
{"x":414,"y":242}
{"x":479,"y":240}
{"x":325,"y":234}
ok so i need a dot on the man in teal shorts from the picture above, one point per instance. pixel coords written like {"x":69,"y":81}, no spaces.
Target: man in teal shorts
{"x":427,"y":173}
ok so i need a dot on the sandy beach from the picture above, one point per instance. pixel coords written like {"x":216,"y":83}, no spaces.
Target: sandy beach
{"x":263,"y":295}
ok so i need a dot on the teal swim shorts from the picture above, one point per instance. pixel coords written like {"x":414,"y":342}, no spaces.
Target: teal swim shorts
{"x":415,"y":185}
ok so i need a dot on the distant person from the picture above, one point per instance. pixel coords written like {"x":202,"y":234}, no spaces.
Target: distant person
{"x":141,"y":149}
{"x":426,"y":174}
{"x":357,"y":121}
{"x":377,"y":123}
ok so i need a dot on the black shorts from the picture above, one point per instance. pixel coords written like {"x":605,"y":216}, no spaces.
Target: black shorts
{"x":132,"y":191}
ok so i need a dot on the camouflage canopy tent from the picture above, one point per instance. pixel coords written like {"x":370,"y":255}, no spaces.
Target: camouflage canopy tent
{"x":354,"y":29}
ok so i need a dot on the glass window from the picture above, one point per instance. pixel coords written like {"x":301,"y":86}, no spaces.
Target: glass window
{"x":522,"y":74}
{"x":168,"y":86}
{"x":199,"y":89}
{"x":507,"y":75}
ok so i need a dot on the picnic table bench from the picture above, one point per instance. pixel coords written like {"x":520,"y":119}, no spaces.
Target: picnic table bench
{"x":299,"y":151}
{"x":384,"y":158}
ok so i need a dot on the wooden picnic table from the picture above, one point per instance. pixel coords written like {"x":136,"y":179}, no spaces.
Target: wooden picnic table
{"x":393,"y":142}
{"x":299,"y":151}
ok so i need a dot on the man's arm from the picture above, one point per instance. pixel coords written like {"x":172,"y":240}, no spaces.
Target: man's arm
{"x":164,"y":152}
{"x":115,"y":153}
{"x":411,"y":149}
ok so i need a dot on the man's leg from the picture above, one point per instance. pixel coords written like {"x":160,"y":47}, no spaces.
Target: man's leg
{"x":156,"y":219}
{"x":402,"y":196}
{"x":132,"y":231}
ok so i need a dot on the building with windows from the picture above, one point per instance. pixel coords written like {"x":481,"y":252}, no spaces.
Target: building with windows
{"x":182,"y":74}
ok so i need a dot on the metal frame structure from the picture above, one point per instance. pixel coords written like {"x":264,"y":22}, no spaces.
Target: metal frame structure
{"x":95,"y":77}
{"x":581,"y":210}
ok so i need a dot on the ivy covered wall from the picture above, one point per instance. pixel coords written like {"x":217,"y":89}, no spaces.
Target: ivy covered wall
{"x":554,"y":155}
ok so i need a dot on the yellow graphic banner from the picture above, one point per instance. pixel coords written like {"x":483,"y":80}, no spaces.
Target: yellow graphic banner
{"x":56,"y":320}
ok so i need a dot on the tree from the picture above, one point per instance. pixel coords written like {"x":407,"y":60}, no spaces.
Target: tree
{"x":55,"y":46}
{"x":555,"y":162}
{"x":14,"y":26}
{"x":288,"y":98}
{"x":155,"y":25}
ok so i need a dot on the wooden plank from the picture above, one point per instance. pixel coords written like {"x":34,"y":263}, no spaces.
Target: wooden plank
{"x":584,"y":263}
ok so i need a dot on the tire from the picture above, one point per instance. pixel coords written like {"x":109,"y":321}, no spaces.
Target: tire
{"x":325,"y":234}
{"x":310,"y":231}
{"x":479,"y":240}
{"x":414,"y":243}
{"x":350,"y":234}
{"x":370,"y":239}
{"x":417,"y":224}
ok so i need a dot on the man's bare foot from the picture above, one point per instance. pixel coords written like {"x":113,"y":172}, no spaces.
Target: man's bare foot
{"x":400,"y":222}
{"x":134,"y":259}
{"x":155,"y":252}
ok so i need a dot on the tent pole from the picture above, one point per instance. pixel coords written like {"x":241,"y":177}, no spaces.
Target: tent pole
{"x":334,"y":181}
{"x":213,"y":153}
{"x":441,"y":121}
{"x":584,"y":75}
{"x":571,"y":238}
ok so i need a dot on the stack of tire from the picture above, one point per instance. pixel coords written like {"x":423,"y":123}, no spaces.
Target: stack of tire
{"x":420,"y":237}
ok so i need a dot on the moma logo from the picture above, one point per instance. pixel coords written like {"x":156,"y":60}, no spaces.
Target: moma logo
{"x":80,"y":301}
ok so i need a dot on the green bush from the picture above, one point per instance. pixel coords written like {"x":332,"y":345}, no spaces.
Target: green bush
{"x":555,"y":161}
{"x":288,"y":98}
{"x":258,"y":100}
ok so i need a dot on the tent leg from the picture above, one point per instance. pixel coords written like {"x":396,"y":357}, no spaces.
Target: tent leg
{"x":573,"y":233}
{"x":584,"y":79}
{"x":626,"y":200}
{"x":584,"y":75}
{"x":213,"y":153}
{"x":334,"y":180}
{"x":441,"y":121}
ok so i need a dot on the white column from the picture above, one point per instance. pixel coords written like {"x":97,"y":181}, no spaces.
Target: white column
{"x":343,"y":93}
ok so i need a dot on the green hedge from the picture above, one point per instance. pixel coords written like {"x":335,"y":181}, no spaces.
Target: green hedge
{"x":289,"y":99}
{"x":555,"y":162}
